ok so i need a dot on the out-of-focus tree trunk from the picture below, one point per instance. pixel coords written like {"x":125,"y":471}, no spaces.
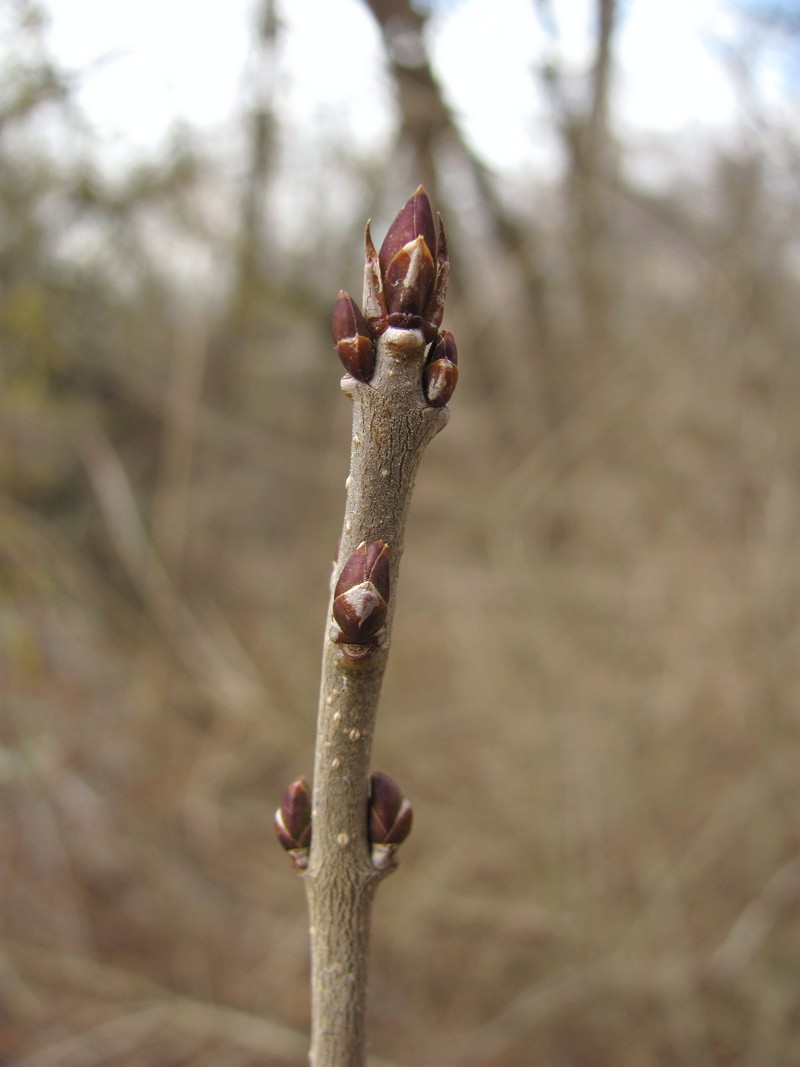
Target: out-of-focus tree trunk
{"x":427,"y":130}
{"x":253,"y":236}
{"x":586,"y":136}
{"x":252,"y":249}
{"x":425,"y":119}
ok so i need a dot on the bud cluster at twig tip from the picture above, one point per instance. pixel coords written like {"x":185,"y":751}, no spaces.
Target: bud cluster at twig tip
{"x":405,"y":286}
{"x":361,"y":595}
{"x":390,"y":818}
{"x":293,"y":822}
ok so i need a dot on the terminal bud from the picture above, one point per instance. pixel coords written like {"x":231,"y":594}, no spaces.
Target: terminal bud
{"x":405,"y":284}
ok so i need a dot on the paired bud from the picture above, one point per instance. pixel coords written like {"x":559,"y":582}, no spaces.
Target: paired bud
{"x":361,"y":595}
{"x":388,"y":821}
{"x":405,"y":284}
{"x":354,"y":346}
{"x":293,"y":822}
{"x":390,"y":818}
{"x":440,"y":375}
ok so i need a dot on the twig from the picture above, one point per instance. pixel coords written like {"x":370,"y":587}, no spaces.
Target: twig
{"x":402,"y":371}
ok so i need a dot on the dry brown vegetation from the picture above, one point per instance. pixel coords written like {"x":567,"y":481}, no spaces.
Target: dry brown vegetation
{"x":593,"y":698}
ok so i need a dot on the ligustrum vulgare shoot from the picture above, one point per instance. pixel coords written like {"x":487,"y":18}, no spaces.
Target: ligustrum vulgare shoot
{"x":401,"y":372}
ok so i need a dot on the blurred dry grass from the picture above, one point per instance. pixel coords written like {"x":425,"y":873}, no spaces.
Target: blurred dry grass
{"x":593,"y":698}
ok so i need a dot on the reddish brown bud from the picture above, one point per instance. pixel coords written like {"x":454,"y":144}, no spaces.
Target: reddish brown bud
{"x":406,"y":283}
{"x":444,"y":347}
{"x":354,"y":346}
{"x":390,"y":818}
{"x":347,"y":320}
{"x":361,"y":595}
{"x":413,"y":220}
{"x":440,"y":375}
{"x":369,"y":563}
{"x":293,"y":822}
{"x":408,"y":279}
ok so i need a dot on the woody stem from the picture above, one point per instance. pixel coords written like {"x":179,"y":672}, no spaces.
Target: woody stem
{"x":392,"y":424}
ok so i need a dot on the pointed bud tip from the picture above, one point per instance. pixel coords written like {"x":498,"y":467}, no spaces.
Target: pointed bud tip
{"x":346,"y":318}
{"x":440,"y":375}
{"x":351,"y":336}
{"x":390,"y":814}
{"x":413,"y":220}
{"x":293,"y":817}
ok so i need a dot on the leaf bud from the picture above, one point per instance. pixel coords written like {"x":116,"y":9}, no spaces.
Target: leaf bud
{"x":440,"y":374}
{"x":408,"y":279}
{"x":413,"y":220}
{"x":351,"y":335}
{"x":390,"y":818}
{"x":405,"y":284}
{"x":293,"y":822}
{"x":361,"y":594}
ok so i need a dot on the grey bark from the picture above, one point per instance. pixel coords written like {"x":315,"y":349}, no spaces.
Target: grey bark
{"x":392,"y":424}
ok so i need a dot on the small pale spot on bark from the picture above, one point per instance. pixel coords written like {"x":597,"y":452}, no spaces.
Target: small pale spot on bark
{"x":335,"y":763}
{"x":342,"y":839}
{"x":384,"y":473}
{"x":337,"y":716}
{"x":354,"y":734}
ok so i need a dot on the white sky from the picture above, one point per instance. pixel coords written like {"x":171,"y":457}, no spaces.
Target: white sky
{"x":149,"y":63}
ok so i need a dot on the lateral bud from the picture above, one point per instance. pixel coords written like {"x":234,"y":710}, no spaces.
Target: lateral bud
{"x":360,"y":596}
{"x":354,"y":346}
{"x":374,"y":297}
{"x":293,"y":822}
{"x":440,"y":375}
{"x":390,"y":819}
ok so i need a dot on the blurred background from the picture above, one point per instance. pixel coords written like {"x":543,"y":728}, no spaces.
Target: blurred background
{"x":593,"y":698}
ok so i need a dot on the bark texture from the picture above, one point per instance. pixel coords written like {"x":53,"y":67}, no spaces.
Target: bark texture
{"x":392,"y":424}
